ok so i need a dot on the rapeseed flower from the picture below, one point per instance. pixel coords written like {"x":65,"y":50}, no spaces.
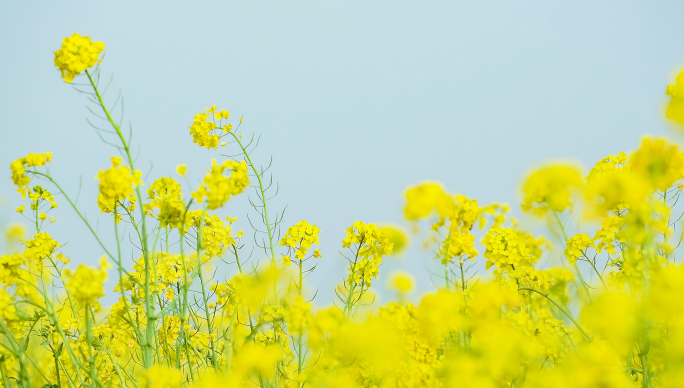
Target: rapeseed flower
{"x":78,"y":54}
{"x":117,"y":184}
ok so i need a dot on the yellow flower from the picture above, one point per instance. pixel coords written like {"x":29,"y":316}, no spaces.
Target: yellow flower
{"x":614,"y":190}
{"x":215,"y":234}
{"x":675,"y":108}
{"x":372,"y":245}
{"x":116,"y":185}
{"x":423,"y":199}
{"x":397,"y":237}
{"x":505,"y":248}
{"x":160,"y":376}
{"x":576,"y":245}
{"x":63,"y":259}
{"x":77,"y":54}
{"x":300,"y":237}
{"x":40,"y":246}
{"x":457,"y":244}
{"x":181,"y":169}
{"x":165,"y":195}
{"x":202,"y":131}
{"x":550,"y":188}
{"x":658,"y":161}
{"x":402,"y":282}
{"x":286,"y":260}
{"x":297,"y":314}
{"x":42,"y":216}
{"x":18,"y":168}
{"x":223,"y":114}
{"x":15,"y":232}
{"x":21,"y":209}
{"x":217,"y":188}
{"x":86,"y":285}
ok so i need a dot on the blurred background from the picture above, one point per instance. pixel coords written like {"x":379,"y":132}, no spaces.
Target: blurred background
{"x":355,"y":101}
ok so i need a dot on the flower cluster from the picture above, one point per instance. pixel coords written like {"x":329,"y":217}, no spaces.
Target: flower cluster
{"x":371,"y":246}
{"x":457,"y":245}
{"x":117,"y":184}
{"x":300,"y":237}
{"x":576,"y":245}
{"x":78,"y":54}
{"x":550,"y":188}
{"x":166,"y":197}
{"x":424,"y":199}
{"x":609,"y":163}
{"x":216,"y":188}
{"x":215,"y":234}
{"x":675,"y":107}
{"x":18,"y":168}
{"x":86,"y":285}
{"x":505,"y":248}
{"x":204,"y":132}
{"x":659,"y":162}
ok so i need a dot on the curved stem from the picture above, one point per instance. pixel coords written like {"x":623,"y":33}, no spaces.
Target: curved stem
{"x":200,"y":242}
{"x":151,"y":318}
{"x":263,"y":196}
{"x":567,"y":314}
{"x":565,"y":239}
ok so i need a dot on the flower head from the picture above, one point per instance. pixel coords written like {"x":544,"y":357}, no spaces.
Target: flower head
{"x":116,"y":185}
{"x":675,"y":108}
{"x":18,"y":168}
{"x":300,"y":237}
{"x":659,"y":161}
{"x":216,"y":188}
{"x":166,"y":197}
{"x":78,"y":54}
{"x":550,"y":188}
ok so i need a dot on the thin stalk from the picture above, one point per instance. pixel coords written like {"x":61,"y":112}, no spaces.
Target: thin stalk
{"x":591,"y":262}
{"x":89,"y":340}
{"x":263,"y":195}
{"x":565,"y":239}
{"x":348,"y":305}
{"x":300,"y":355}
{"x":135,"y":327}
{"x":151,"y":318}
{"x":204,"y":292}
{"x":567,"y":314}
{"x":447,"y":244}
{"x":3,"y":374}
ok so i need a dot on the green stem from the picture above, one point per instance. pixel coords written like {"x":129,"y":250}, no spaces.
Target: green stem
{"x":263,"y":196}
{"x":565,"y":239}
{"x":133,"y":323}
{"x":5,"y":382}
{"x":151,"y":319}
{"x":591,"y":262}
{"x":348,"y":305}
{"x":447,"y":244}
{"x":300,"y":356}
{"x":204,"y":292}
{"x":567,"y":314}
{"x":89,"y":340}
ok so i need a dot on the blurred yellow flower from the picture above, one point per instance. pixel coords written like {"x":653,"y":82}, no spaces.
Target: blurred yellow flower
{"x":550,"y":188}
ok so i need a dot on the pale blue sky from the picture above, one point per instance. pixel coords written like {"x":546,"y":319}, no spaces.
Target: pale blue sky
{"x":356,"y":100}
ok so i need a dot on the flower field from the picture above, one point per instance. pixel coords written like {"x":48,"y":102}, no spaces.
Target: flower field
{"x":609,"y":314}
